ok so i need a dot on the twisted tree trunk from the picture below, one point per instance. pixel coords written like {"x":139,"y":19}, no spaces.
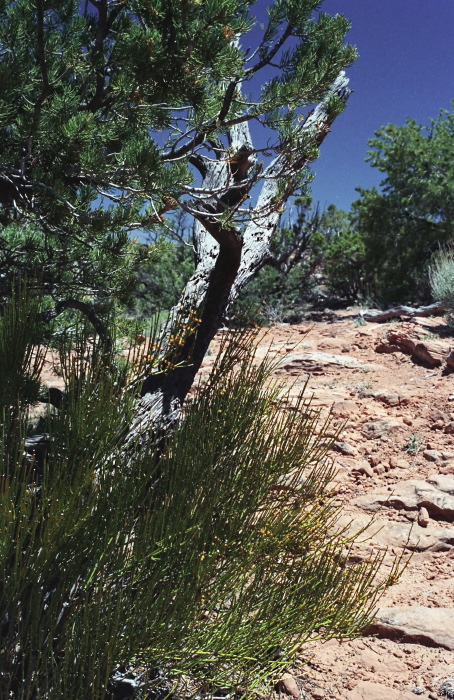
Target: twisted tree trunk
{"x":228,"y":254}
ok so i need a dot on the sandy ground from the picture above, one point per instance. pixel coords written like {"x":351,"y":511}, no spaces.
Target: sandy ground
{"x":396,"y":413}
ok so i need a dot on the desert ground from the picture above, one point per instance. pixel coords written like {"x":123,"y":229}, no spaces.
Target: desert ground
{"x":390,"y":387}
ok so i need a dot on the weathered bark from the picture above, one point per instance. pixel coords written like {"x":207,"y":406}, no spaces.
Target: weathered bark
{"x":228,"y":255}
{"x":397,"y":311}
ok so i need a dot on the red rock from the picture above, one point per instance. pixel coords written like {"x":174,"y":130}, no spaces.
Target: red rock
{"x":427,"y":626}
{"x":367,"y":690}
{"x":288,"y":685}
{"x":423,"y":517}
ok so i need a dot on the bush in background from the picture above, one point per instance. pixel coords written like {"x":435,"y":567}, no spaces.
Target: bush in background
{"x":441,"y":274}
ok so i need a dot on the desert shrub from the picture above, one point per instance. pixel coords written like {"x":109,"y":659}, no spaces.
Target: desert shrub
{"x":273,"y":296}
{"x":127,"y":569}
{"x":441,"y":274}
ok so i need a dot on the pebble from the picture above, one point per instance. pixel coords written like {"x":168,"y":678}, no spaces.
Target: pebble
{"x":364,"y":467}
{"x":431,"y":455}
{"x":423,"y":517}
{"x":345,"y":449}
{"x":288,"y":685}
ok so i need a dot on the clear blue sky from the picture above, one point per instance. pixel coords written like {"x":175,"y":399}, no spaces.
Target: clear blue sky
{"x":405,"y":68}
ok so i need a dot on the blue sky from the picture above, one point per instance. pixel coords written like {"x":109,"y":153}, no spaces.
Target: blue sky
{"x":405,"y":68}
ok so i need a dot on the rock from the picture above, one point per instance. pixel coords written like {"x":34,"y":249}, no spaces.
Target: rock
{"x":450,"y":359}
{"x":387,"y":397}
{"x":447,"y":468}
{"x":437,"y":415}
{"x":317,"y":361}
{"x":411,"y":340}
{"x":288,"y":685}
{"x":379,"y":428}
{"x":398,"y":534}
{"x":449,"y":428}
{"x":423,"y":517}
{"x":431,"y":455}
{"x":446,"y":689}
{"x":367,"y":690}
{"x":438,"y":425}
{"x":398,"y":463}
{"x":414,"y":494}
{"x":364,"y":467}
{"x":442,"y":482}
{"x":344,"y":409}
{"x":318,"y":694}
{"x":379,"y":469}
{"x":432,"y":627}
{"x":345,"y":449}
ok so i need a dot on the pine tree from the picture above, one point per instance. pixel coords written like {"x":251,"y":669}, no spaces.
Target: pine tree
{"x":115,"y":112}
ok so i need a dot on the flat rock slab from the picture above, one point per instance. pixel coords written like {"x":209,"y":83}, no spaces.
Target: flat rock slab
{"x":404,"y":535}
{"x":389,"y":398}
{"x":414,"y":494}
{"x":431,"y":627}
{"x":316,"y":361}
{"x":374,"y":429}
{"x":367,"y":690}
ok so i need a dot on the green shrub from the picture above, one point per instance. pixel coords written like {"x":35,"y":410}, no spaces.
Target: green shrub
{"x":344,"y":263}
{"x":212,"y":561}
{"x":442,"y":278}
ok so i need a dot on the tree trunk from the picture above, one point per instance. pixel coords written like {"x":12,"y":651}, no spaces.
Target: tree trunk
{"x":231,"y":244}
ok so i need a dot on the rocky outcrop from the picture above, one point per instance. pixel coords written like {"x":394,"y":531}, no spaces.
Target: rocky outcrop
{"x":412,"y":339}
{"x":436,"y":494}
{"x":404,"y":535}
{"x":432,"y":627}
{"x":315,"y":362}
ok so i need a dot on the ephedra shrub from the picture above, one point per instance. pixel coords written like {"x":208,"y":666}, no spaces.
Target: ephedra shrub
{"x":207,"y":563}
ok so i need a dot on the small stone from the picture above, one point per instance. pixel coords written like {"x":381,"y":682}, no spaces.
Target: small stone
{"x":288,"y":685}
{"x":345,"y":449}
{"x":318,"y":694}
{"x":398,"y":463}
{"x":418,"y":690}
{"x":437,"y":415}
{"x":379,"y":469}
{"x":431,"y":455}
{"x":364,"y":467}
{"x":438,"y":425}
{"x":423,"y":517}
{"x":451,"y":397}
{"x":449,"y":428}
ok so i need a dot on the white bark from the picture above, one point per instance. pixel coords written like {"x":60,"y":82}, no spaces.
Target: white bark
{"x":397,"y":311}
{"x":228,"y":253}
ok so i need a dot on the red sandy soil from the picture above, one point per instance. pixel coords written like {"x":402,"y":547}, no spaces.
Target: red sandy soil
{"x":413,"y":656}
